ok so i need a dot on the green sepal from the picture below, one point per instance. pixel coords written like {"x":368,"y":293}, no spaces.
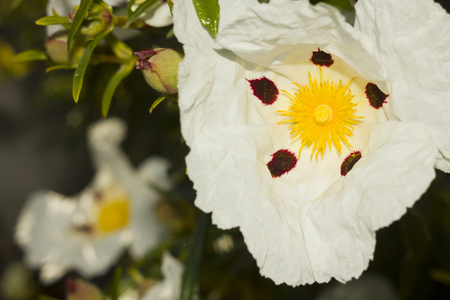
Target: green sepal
{"x":189,"y":285}
{"x":123,"y":71}
{"x":208,"y":11}
{"x":139,"y":11}
{"x":80,"y":71}
{"x":52,"y":20}
{"x":80,"y":15}
{"x":29,"y":55}
{"x":158,"y":101}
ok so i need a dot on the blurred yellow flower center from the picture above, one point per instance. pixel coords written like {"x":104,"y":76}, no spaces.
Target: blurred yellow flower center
{"x":321,"y":114}
{"x":114,"y":215}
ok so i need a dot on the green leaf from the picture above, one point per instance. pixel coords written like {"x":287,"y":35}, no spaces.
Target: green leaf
{"x":115,"y":287}
{"x":189,"y":286}
{"x":158,"y":101}
{"x":77,"y":20}
{"x":139,"y":11}
{"x":29,"y":55}
{"x":52,"y":20}
{"x":80,"y":71}
{"x":208,"y":11}
{"x":60,"y":67}
{"x":122,"y":72}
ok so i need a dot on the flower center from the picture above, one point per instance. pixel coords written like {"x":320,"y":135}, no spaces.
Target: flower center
{"x":114,"y":215}
{"x":321,"y":114}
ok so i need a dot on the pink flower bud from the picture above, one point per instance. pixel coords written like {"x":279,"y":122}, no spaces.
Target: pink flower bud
{"x":160,"y":68}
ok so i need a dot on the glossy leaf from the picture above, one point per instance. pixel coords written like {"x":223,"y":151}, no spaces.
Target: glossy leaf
{"x":124,"y":71}
{"x":208,"y":11}
{"x":158,"y":101}
{"x":189,"y":285}
{"x":80,"y":71}
{"x":77,"y":20}
{"x":29,"y":55}
{"x":52,"y":20}
{"x":139,"y":11}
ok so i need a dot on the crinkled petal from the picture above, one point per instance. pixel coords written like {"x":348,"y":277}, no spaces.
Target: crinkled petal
{"x":412,"y":38}
{"x":395,"y":174}
{"x":256,"y":37}
{"x":203,"y":67}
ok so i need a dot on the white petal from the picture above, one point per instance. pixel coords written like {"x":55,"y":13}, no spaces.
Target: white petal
{"x":45,"y":231}
{"x":170,"y":287}
{"x":413,"y":38}
{"x":256,"y":38}
{"x":154,"y":171}
{"x":62,"y":8}
{"x":158,"y":15}
{"x":395,"y":174}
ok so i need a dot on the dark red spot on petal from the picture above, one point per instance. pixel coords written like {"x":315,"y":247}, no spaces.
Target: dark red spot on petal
{"x":282,"y":162}
{"x":375,"y":95}
{"x":349,"y":162}
{"x":264,"y":89}
{"x":321,"y":58}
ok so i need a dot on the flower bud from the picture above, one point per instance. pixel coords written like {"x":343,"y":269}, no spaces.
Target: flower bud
{"x":81,"y":290}
{"x":160,"y":68}
{"x":56,"y":47}
{"x":97,"y":20}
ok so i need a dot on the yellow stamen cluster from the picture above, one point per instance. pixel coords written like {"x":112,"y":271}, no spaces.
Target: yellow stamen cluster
{"x":113,"y":215}
{"x":321,"y":113}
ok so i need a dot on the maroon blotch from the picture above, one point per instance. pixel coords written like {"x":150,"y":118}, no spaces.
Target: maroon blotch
{"x":349,"y":162}
{"x":71,"y":286}
{"x":264,"y":89}
{"x":321,"y":58}
{"x":375,"y":95}
{"x":282,"y":162}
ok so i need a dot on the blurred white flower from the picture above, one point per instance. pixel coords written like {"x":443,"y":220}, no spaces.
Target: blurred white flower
{"x":170,"y":287}
{"x":158,"y":15}
{"x":310,"y":134}
{"x":89,"y":231}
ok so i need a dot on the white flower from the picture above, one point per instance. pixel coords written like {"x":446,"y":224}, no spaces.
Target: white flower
{"x":89,"y":231}
{"x":170,"y":287}
{"x":310,"y":134}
